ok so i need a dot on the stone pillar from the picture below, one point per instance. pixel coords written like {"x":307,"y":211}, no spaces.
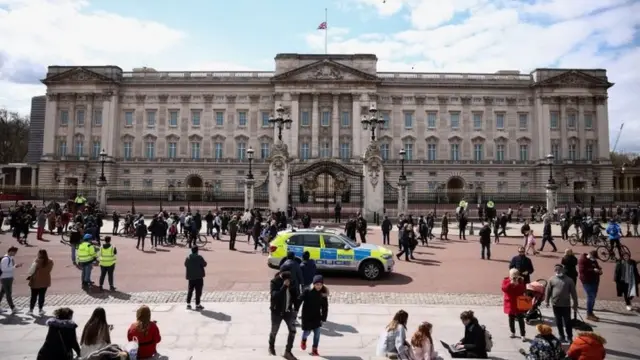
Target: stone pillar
{"x":403,"y":200}
{"x":18,"y":181}
{"x":101,"y":194}
{"x":356,"y":128}
{"x":50,"y":124}
{"x":34,"y":174}
{"x":315,"y":127}
{"x":279,"y":177}
{"x":373,"y":183}
{"x":335,"y":127}
{"x":552,"y":196}
{"x":248,"y":193}
{"x":295,"y":127}
{"x":601,"y":123}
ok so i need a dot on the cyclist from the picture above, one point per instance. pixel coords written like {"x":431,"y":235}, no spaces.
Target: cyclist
{"x":615,"y":233}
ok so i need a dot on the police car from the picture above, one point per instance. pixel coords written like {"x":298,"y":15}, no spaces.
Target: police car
{"x":331,"y":251}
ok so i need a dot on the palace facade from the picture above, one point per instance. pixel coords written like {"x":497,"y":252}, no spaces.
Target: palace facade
{"x":478,"y":132}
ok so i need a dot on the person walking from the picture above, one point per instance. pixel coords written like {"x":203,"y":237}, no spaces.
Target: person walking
{"x":546,"y":234}
{"x":523,"y":264}
{"x":284,"y":296}
{"x":39,"y":277}
{"x":315,"y":308}
{"x":42,"y":221}
{"x":195,"y":266}
{"x":7,"y":268}
{"x":107,"y":257}
{"x":514,"y":287}
{"x":141,"y":233}
{"x":561,"y":294}
{"x":590,"y":271}
{"x":615,"y":233}
{"x":386,"y":227}
{"x":85,"y":257}
{"x":570,"y":263}
{"x":627,"y":279}
{"x":485,"y":241}
{"x":233,"y":233}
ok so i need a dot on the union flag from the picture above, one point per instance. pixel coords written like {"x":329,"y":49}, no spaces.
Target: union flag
{"x":322,"y":26}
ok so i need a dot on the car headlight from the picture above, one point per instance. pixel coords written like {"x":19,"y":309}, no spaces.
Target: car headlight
{"x":387,"y":256}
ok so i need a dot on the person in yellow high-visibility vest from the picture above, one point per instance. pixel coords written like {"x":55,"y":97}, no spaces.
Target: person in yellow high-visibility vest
{"x":85,"y":257}
{"x":107,"y":255}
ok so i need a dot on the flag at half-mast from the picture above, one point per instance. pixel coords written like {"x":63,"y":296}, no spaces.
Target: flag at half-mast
{"x":322,"y":26}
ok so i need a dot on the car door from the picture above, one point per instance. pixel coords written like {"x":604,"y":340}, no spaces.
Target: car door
{"x":299,"y":243}
{"x":339,"y":255}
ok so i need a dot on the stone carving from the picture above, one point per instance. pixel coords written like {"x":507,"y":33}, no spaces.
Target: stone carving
{"x":466,"y":100}
{"x":396,"y":100}
{"x":208,"y":98}
{"x":280,"y":150}
{"x":511,"y":101}
{"x":573,"y":80}
{"x":52,"y":97}
{"x":326,"y":73}
{"x":162,"y":98}
{"x":546,"y":100}
{"x":140,"y":98}
{"x":420,"y":99}
{"x":442,"y":100}
{"x":600,"y":99}
{"x":488,"y":100}
{"x":374,"y":168}
{"x":185,"y":98}
{"x":373,"y":150}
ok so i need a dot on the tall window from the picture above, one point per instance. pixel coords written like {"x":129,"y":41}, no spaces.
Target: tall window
{"x":265,"y":119}
{"x":305,"y":154}
{"x":95,"y":150}
{"x":172,"y":150}
{"x":345,"y":151}
{"x":500,"y":152}
{"x":478,"y":152}
{"x":217,"y":150}
{"x":242,"y":118}
{"x":588,"y":121}
{"x":128,"y":118}
{"x":195,"y":150}
{"x":589,"y":152}
{"x":408,"y":148}
{"x":386,"y":117}
{"x":97,"y":117}
{"x":173,"y":118}
{"x":477,"y":121}
{"x":195,"y":117}
{"x":264,"y":150}
{"x":524,"y":152}
{"x":455,"y":120}
{"x":151,"y":149}
{"x":431,"y":120}
{"x":151,"y":118}
{"x":408,"y":120}
{"x":432,"y":152}
{"x":554,"y":119}
{"x":571,"y":120}
{"x":326,"y":118}
{"x":64,"y":117}
{"x":80,"y":117}
{"x":305,"y":119}
{"x":555,"y":151}
{"x":500,"y":121}
{"x":345,"y":119}
{"x":384,"y":151}
{"x":455,"y":152}
{"x":219,"y":118}
{"x":79,"y":147}
{"x":325,"y":149}
{"x":573,"y":151}
{"x":62,"y":148}
{"x":127,"y":150}
{"x":242,"y":150}
{"x":523,"y":121}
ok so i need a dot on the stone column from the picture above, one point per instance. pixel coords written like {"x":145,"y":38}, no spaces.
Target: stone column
{"x":110,"y":120}
{"x":601,"y":123}
{"x":315,"y":127}
{"x":373,"y":183}
{"x":552,"y":196}
{"x":248,"y":193}
{"x":403,"y":201}
{"x":279,"y":177}
{"x":50,"y":124}
{"x":295,"y":127}
{"x":335,"y":127}
{"x":18,"y":176}
{"x":34,"y":174}
{"x":71,"y":125}
{"x":356,"y":128}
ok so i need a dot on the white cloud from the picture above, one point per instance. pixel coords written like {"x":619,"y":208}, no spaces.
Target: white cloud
{"x":492,"y":35}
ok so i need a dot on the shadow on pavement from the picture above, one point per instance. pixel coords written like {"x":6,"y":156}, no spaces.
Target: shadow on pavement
{"x":622,"y":354}
{"x":94,"y":292}
{"x":215,"y":315}
{"x":332,"y":329}
{"x":426,"y":262}
{"x":352,"y":279}
{"x":42,"y":320}
{"x":338,"y":357}
{"x":634,"y":325}
{"x":13,"y":320}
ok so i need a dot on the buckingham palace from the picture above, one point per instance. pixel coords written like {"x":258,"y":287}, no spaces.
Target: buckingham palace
{"x":503,"y":132}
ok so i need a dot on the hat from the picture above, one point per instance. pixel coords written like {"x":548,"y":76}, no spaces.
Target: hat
{"x":87,"y":237}
{"x":318,"y":279}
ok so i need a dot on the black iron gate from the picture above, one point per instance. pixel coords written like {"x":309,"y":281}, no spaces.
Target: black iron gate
{"x":319,"y":187}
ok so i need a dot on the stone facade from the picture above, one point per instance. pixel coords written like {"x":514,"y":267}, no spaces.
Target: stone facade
{"x":472,"y":131}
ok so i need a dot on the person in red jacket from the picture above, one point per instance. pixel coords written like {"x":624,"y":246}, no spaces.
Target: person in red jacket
{"x":587,"y":346}
{"x":590,"y":272}
{"x":146,"y":332}
{"x":513,"y":287}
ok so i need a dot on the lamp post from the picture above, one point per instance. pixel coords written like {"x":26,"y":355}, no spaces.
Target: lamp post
{"x":250,"y":156}
{"x":103,"y":159}
{"x":402,"y":153}
{"x":280,"y":120}
{"x":550,"y":158}
{"x":372,"y":121}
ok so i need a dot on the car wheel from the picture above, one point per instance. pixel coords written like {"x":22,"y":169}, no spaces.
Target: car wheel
{"x":371,"y":270}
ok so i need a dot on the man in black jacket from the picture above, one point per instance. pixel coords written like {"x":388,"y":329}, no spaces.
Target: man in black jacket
{"x":194,"y":265}
{"x":523,"y":264}
{"x":485,"y":241}
{"x":284,"y":296}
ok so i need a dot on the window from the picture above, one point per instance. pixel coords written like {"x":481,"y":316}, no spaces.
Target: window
{"x":588,"y":121}
{"x":325,"y":149}
{"x":571,"y":120}
{"x":500,"y":152}
{"x":500,"y":121}
{"x":242,"y":118}
{"x":554,"y":119}
{"x":523,"y":121}
{"x":241,"y":150}
{"x":126,"y":183}
{"x":265,"y":119}
{"x":195,"y":117}
{"x":477,"y":121}
{"x":264,"y":150}
{"x":173,"y":118}
{"x":304,"y":118}
{"x":151,"y":118}
{"x":128,"y":118}
{"x":79,"y":147}
{"x":408,"y":148}
{"x":345,"y":151}
{"x":240,"y":186}
{"x":326,"y":118}
{"x":432,"y":152}
{"x":148,"y":183}
{"x":386,"y":117}
{"x":62,"y":148}
{"x":97,"y":117}
{"x":80,"y":117}
{"x":455,"y":120}
{"x":95,"y":150}
{"x":555,"y":151}
{"x":195,"y":150}
{"x":217,"y":150}
{"x":478,"y":152}
{"x":431,"y":120}
{"x":151,"y":150}
{"x":333,"y":242}
{"x":172,"y":150}
{"x":307,"y":240}
{"x":219,"y":118}
{"x":127,"y":150}
{"x":384,"y":151}
{"x":455,"y":152}
{"x":524,"y":152}
{"x":345,"y":119}
{"x":572,"y":151}
{"x":304,"y":151}
{"x":64,"y":117}
{"x":408,"y":120}
{"x":589,"y":152}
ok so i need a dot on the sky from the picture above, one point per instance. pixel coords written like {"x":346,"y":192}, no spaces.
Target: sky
{"x":406,"y":35}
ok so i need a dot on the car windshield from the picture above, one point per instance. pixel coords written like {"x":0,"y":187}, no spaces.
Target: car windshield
{"x":348,"y":241}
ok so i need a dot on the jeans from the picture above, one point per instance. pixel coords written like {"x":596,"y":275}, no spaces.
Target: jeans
{"x":548,"y":239}
{"x":232,"y":240}
{"x":86,"y":272}
{"x":316,"y":336}
{"x":196,"y":285}
{"x":486,"y":248}
{"x":37,"y":294}
{"x":405,"y":249}
{"x":209,"y":229}
{"x":141,"y":240}
{"x":615,"y":243}
{"x":7,"y":288}
{"x":385,"y":238}
{"x":512,"y":324}
{"x":562,"y":316}
{"x":107,"y":271}
{"x":115,"y":228}
{"x":592,"y":291}
{"x":277,"y":319}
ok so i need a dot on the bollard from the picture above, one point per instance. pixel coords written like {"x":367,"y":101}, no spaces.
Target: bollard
{"x":471,"y":229}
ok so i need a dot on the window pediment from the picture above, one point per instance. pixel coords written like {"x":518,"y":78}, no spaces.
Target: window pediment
{"x":455,"y":138}
{"x":127,"y":137}
{"x":195,"y":137}
{"x":432,"y":139}
{"x":150,"y":137}
{"x":478,"y":138}
{"x":523,"y":140}
{"x":265,"y":138}
{"x":172,"y":137}
{"x":218,"y":138}
{"x":501,"y":139}
{"x":79,"y":136}
{"x":408,"y":138}
{"x":386,"y":138}
{"x":241,"y":138}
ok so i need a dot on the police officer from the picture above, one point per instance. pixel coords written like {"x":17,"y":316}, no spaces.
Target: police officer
{"x":107,"y":256}
{"x":85,"y":256}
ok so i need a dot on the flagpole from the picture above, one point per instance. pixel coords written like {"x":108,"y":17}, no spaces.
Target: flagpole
{"x":326,"y":32}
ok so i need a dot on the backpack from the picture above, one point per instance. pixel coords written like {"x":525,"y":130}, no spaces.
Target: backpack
{"x":488,"y":339}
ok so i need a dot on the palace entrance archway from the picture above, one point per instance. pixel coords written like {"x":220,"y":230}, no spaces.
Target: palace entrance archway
{"x":455,"y":189}
{"x":194,"y":187}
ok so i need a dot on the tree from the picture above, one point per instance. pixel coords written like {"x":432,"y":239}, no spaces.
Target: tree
{"x":618,"y":158}
{"x":14,"y":136}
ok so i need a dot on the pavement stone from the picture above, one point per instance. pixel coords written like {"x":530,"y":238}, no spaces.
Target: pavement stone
{"x":373,"y":298}
{"x":240,"y":330}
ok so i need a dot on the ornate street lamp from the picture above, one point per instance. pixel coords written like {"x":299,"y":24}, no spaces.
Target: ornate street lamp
{"x":250,"y":157}
{"x":280,"y":120}
{"x":372,"y":121}
{"x":103,"y":159}
{"x":550,"y":158}
{"x":402,"y":153}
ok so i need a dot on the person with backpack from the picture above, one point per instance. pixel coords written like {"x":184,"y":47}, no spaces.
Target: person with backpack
{"x":476,"y":342}
{"x":7,"y":267}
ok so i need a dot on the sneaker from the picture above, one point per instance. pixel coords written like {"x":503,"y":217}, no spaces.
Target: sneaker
{"x":189,"y":307}
{"x":523,"y":338}
{"x":629,"y":308}
{"x":30,"y":312}
{"x":289,"y":356}
{"x":272,"y":351}
{"x":199,"y":307}
{"x":41,"y":312}
{"x":14,"y":311}
{"x":513,"y":335}
{"x":563,"y":340}
{"x":592,"y":317}
{"x":303,"y":345}
{"x":314,"y":352}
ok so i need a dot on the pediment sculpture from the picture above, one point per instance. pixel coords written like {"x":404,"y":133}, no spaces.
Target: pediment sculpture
{"x":310,"y":183}
{"x":340,"y":183}
{"x":326,"y":73}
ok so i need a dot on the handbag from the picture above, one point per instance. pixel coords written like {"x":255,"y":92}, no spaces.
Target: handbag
{"x":524,"y":303}
{"x":132,"y":348}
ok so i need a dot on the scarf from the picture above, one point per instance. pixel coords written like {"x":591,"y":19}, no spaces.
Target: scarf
{"x":629,"y":277}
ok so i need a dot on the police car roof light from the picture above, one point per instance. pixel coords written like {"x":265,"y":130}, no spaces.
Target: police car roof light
{"x":319,"y":228}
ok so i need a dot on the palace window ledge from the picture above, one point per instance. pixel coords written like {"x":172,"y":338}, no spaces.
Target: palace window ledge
{"x":189,"y":160}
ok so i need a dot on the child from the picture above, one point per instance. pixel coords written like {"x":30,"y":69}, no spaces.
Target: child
{"x":173,"y":233}
{"x":531,"y":243}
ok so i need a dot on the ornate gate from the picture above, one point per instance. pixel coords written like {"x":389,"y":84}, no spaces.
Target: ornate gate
{"x":319,"y":187}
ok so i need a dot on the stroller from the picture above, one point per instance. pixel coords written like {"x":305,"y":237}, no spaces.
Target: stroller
{"x":535,"y":290}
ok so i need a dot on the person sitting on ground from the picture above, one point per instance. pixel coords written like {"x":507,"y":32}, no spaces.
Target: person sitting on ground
{"x":61,"y":340}
{"x":587,"y":346}
{"x":146,"y":332}
{"x":474,"y":342}
{"x":544,"y":346}
{"x":393,"y":342}
{"x":422,"y":343}
{"x":96,"y":333}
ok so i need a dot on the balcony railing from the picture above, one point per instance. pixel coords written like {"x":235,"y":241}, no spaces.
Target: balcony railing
{"x":454,"y":77}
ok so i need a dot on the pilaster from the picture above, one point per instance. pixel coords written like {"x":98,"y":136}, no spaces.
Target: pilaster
{"x":315,"y":126}
{"x":356,"y":129}
{"x":602,"y":121}
{"x":295,"y":127}
{"x":50,"y":126}
{"x":248,"y":193}
{"x":110,"y":121}
{"x":403,"y":200}
{"x":335,"y":126}
{"x":373,"y":183}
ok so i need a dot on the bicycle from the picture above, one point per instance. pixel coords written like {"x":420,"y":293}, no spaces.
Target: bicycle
{"x":201,"y":240}
{"x":607,"y":252}
{"x":129,"y":232}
